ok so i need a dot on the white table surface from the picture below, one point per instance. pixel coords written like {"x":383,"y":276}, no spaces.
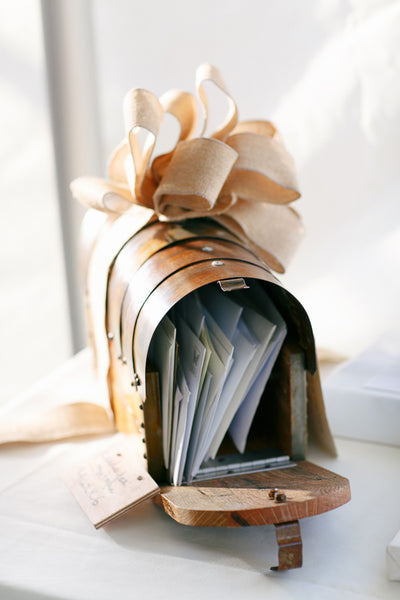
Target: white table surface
{"x":48,"y":549}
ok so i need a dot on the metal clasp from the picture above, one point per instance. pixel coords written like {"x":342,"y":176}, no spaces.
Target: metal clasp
{"x":228,"y":285}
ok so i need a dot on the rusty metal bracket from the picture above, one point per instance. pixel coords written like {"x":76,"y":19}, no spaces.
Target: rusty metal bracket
{"x":290,"y":546}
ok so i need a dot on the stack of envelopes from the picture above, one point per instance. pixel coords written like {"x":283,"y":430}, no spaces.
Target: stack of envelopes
{"x":214,"y":352}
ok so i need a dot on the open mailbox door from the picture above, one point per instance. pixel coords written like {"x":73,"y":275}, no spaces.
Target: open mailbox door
{"x":269,"y":481}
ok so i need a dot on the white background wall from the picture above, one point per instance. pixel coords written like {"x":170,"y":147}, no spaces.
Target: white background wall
{"x":326,"y":71}
{"x":33,"y":310}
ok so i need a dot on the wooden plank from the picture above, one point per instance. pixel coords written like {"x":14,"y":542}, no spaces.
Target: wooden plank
{"x":244,"y":500}
{"x":153,"y":428}
{"x":281,"y":419}
{"x":298,"y":406}
{"x":318,"y":426}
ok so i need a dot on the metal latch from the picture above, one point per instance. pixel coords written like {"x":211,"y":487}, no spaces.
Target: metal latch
{"x":228,"y":285}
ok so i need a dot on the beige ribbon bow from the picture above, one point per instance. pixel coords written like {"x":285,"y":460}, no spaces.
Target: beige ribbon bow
{"x":241,"y":175}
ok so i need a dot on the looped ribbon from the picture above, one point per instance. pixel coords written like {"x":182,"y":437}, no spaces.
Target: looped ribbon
{"x":241,"y":175}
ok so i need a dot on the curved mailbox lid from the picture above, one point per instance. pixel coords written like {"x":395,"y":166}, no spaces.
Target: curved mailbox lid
{"x":173,"y":289}
{"x":150,"y":240}
{"x":161,"y":267}
{"x":156,"y":295}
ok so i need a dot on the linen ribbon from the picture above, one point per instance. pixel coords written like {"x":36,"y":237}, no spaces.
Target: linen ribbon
{"x":241,"y":175}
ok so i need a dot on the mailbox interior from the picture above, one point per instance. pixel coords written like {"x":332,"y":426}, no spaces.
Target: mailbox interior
{"x":279,"y":429}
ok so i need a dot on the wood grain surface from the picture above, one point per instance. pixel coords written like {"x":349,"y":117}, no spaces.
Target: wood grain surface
{"x":243,"y":500}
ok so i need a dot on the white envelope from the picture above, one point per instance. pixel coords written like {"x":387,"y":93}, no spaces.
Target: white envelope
{"x":162,"y":354}
{"x":191,"y":355}
{"x":223,"y":310}
{"x":274,"y":336}
{"x":245,"y":346}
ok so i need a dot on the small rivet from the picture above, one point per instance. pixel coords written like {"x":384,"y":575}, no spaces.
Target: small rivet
{"x":207,"y":248}
{"x":217,"y":263}
{"x":145,"y":456}
{"x":124,"y":360}
{"x":110,"y":335}
{"x":142,"y":425}
{"x":140,"y":477}
{"x":272,"y":493}
{"x":136,"y":382}
{"x":280,"y":497}
{"x":141,"y":406}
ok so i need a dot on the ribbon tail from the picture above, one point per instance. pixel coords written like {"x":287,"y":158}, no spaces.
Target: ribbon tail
{"x":264,"y":170}
{"x":273,"y":232}
{"x":205,"y":73}
{"x":102,"y":195}
{"x":61,"y":422}
{"x":183,"y":107}
{"x":116,"y":164}
{"x":142,"y":113}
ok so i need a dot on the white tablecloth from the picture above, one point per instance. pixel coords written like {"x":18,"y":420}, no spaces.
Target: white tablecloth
{"x":48,"y":548}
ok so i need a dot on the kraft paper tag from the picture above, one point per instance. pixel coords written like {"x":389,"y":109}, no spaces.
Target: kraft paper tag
{"x":110,"y":484}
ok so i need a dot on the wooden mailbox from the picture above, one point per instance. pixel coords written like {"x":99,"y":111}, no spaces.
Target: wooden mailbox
{"x":157,"y":267}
